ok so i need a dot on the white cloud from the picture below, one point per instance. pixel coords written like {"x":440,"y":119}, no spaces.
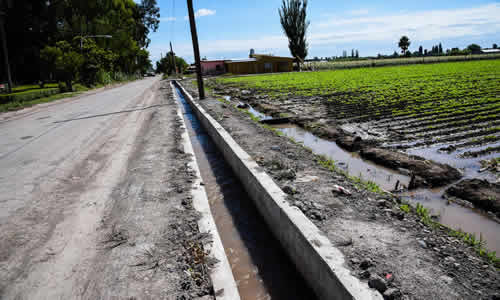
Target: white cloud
{"x":168,"y":19}
{"x":420,"y":26}
{"x":202,"y":12}
{"x":359,"y":12}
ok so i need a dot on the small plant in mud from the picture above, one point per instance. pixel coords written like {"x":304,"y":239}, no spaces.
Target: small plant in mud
{"x":357,"y":181}
{"x":470,"y":239}
{"x":405,"y":208}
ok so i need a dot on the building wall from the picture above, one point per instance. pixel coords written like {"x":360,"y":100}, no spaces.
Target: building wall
{"x":264,"y":65}
{"x":212,"y":67}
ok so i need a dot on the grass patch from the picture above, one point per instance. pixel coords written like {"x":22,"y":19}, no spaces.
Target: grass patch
{"x":19,"y":105}
{"x":357,"y":181}
{"x":469,"y":239}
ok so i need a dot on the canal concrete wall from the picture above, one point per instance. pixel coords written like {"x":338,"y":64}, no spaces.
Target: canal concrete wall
{"x":320,"y":263}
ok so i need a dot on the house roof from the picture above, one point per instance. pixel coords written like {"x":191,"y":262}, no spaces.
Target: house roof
{"x":240,"y":60}
{"x":213,"y":60}
{"x":271,"y":56}
{"x":490,"y":50}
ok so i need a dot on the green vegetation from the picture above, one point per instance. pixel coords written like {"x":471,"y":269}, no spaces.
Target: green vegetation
{"x":392,"y":91}
{"x":90,"y":42}
{"x":470,"y":239}
{"x":15,"y":105}
{"x":165,"y":65}
{"x":398,"y":61}
{"x":28,"y":94}
{"x":357,"y":181}
{"x":405,"y":208}
{"x":450,"y":96}
{"x":293,"y":14}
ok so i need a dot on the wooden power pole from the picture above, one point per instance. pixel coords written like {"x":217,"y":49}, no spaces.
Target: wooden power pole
{"x":173,"y":59}
{"x":196,"y":49}
{"x":5,"y":52}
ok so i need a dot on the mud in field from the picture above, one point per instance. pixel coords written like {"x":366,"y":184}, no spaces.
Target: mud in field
{"x":435,"y":152}
{"x":392,"y":249}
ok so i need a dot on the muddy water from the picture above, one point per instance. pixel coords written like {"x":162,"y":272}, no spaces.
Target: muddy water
{"x":453,"y":215}
{"x":457,"y":216}
{"x":260,"y":267}
{"x":348,"y":161}
{"x":470,"y":166}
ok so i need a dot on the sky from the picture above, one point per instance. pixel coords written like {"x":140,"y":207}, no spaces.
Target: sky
{"x":229,"y":29}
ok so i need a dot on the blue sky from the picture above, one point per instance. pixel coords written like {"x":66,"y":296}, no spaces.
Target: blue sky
{"x":228,"y":29}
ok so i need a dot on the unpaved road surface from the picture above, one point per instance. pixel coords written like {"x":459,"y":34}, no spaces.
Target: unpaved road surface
{"x":90,"y":200}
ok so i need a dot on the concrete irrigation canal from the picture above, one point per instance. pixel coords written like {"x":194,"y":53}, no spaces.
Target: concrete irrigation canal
{"x":260,"y":266}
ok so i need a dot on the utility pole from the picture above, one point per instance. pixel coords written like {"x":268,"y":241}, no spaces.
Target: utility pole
{"x":173,"y":59}
{"x":5,"y":52}
{"x":196,"y":49}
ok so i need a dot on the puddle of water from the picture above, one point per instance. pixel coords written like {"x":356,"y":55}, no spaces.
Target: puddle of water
{"x":453,"y":215}
{"x":348,"y":161}
{"x":468,"y":165}
{"x":260,"y":266}
{"x":458,"y":217}
{"x":258,"y":114}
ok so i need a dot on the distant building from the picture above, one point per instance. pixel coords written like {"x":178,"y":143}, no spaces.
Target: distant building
{"x":257,"y":63}
{"x":489,"y":51}
{"x":213,"y":67}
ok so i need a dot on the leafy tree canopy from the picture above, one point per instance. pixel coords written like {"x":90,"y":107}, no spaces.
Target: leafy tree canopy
{"x":293,"y":15}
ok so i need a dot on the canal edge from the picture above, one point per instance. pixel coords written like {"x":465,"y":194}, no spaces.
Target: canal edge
{"x":320,"y":263}
{"x":223,"y":282}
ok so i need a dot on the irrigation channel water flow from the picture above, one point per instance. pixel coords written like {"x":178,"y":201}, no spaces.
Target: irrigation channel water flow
{"x":450,"y":214}
{"x":260,"y":266}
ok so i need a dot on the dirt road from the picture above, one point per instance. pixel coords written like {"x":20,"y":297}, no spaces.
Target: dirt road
{"x":86,"y":203}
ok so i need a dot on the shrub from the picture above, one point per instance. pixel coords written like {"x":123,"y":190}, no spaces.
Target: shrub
{"x":103,"y":77}
{"x":28,"y":95}
{"x":62,"y":87}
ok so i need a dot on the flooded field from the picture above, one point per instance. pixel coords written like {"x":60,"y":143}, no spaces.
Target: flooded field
{"x":442,"y":114}
{"x":350,"y":162}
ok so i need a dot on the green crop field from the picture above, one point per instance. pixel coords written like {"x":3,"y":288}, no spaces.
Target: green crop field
{"x":422,"y":103}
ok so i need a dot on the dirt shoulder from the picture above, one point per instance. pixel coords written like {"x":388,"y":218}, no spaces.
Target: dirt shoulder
{"x":152,"y":246}
{"x":390,"y":247}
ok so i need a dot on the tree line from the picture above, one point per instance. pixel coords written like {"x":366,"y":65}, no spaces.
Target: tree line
{"x":92,"y":41}
{"x":436,"y":50}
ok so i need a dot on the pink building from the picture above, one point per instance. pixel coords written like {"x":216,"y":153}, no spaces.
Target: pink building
{"x":213,"y":67}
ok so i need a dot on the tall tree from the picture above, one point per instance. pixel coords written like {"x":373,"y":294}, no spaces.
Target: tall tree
{"x":148,"y":20}
{"x":474,"y":48}
{"x":293,"y":21}
{"x":420,"y":50}
{"x":404,"y":43}
{"x":440,"y":48}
